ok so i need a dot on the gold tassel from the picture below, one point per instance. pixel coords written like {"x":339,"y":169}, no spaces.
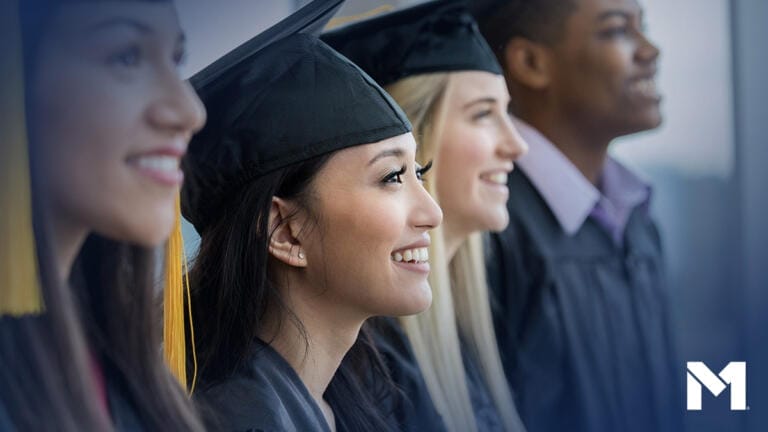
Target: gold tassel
{"x":340,"y":21}
{"x":19,"y":283}
{"x":176,"y":287}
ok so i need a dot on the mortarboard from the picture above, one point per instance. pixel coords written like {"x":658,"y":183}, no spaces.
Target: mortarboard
{"x":437,"y":36}
{"x":280,"y":98}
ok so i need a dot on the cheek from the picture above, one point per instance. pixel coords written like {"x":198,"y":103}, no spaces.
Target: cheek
{"x":354,"y":253}
{"x":460,"y":161}
{"x":363,"y":230}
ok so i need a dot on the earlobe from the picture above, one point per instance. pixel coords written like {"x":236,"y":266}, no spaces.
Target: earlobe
{"x":283,"y":244}
{"x":528,"y":63}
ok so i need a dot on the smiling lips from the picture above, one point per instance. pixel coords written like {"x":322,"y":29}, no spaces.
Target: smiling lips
{"x":162,"y":167}
{"x":497,"y":177}
{"x":645,"y":87}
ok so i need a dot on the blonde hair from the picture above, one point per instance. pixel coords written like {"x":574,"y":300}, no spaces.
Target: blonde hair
{"x":461,"y":303}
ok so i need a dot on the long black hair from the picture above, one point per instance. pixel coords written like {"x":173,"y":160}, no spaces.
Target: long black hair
{"x":107,"y":313}
{"x":234,"y":290}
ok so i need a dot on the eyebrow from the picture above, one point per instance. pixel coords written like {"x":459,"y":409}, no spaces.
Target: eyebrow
{"x":121,"y":21}
{"x":490,"y":100}
{"x":396,"y":152}
{"x":138,"y":26}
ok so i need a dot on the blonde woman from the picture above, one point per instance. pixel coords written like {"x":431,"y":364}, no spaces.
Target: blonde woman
{"x":435,"y":64}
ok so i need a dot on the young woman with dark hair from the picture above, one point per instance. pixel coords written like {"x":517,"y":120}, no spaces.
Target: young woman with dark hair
{"x":108,"y":119}
{"x":304,"y":188}
{"x":435,"y":64}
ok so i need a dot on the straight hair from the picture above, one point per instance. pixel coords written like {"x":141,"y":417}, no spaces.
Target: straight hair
{"x":460,"y":308}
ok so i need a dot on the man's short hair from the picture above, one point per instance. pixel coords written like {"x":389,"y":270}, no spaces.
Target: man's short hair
{"x":537,"y":20}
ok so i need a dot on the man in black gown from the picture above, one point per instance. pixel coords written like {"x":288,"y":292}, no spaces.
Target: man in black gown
{"x":581,"y":305}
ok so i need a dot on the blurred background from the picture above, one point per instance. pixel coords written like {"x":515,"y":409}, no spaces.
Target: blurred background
{"x":707,"y":163}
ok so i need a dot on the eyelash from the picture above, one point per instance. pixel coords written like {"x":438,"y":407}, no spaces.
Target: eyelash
{"x":395,"y":176}
{"x":132,"y":57}
{"x":421,"y":172}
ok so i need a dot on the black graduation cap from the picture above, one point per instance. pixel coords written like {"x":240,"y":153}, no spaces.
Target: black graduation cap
{"x":280,"y":98}
{"x":437,"y":36}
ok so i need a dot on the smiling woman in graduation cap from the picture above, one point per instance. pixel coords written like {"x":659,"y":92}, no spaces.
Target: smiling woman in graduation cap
{"x":91,"y":147}
{"x":303,"y":186}
{"x":432,"y":59}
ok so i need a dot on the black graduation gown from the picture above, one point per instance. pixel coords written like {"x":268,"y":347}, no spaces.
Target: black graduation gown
{"x":264,"y":395}
{"x":122,"y":412}
{"x":486,"y":414}
{"x":415,"y":411}
{"x":583,"y":324}
{"x":411,"y":407}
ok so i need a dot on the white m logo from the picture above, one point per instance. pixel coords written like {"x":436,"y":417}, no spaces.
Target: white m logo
{"x":734,"y":374}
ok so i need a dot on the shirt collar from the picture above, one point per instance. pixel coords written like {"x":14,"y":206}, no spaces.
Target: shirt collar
{"x":569,"y":194}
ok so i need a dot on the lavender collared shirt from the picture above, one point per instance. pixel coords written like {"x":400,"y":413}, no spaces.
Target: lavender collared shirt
{"x":571,"y":197}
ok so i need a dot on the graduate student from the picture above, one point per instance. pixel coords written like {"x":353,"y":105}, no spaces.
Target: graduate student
{"x":304,"y":189}
{"x":583,"y":308}
{"x":92,"y":181}
{"x":432,"y":59}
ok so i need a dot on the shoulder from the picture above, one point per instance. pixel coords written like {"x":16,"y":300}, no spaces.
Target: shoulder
{"x":260,"y":396}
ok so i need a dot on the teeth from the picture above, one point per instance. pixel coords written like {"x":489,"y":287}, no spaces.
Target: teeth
{"x":646,"y":87}
{"x":418,"y":255}
{"x":159,"y":163}
{"x":408,"y":255}
{"x":499,"y":178}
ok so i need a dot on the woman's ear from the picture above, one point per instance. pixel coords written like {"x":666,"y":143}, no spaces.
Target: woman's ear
{"x":284,"y":243}
{"x":528,"y":63}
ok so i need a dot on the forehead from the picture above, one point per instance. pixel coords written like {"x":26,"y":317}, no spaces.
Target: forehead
{"x":468,"y":85}
{"x":361,"y":155}
{"x":594,"y":9}
{"x":92,"y":17}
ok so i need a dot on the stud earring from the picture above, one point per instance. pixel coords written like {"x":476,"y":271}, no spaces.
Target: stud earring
{"x":301,"y":255}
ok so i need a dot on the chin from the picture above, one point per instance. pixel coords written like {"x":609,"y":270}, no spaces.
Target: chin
{"x":497,"y":221}
{"x":421,"y":301}
{"x":150,"y":234}
{"x":645,"y":121}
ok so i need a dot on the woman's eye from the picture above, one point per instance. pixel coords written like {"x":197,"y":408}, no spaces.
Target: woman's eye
{"x":395,"y":176}
{"x":614,"y":32}
{"x":127,"y":58}
{"x":482,"y":114}
{"x":180,"y":58}
{"x":422,"y":171}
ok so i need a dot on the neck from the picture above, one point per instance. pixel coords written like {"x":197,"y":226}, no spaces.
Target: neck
{"x":453,"y":239}
{"x":584,"y":144}
{"x":67,"y":239}
{"x":329,"y":337}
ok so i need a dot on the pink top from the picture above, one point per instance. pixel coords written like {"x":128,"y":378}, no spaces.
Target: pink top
{"x":101,"y":386}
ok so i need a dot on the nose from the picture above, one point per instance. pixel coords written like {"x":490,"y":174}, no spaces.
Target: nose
{"x":647,"y":51}
{"x":425,"y":214}
{"x":177,"y":108}
{"x":511,"y":145}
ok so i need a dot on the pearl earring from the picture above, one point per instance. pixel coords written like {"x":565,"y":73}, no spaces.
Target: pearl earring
{"x":301,"y":255}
